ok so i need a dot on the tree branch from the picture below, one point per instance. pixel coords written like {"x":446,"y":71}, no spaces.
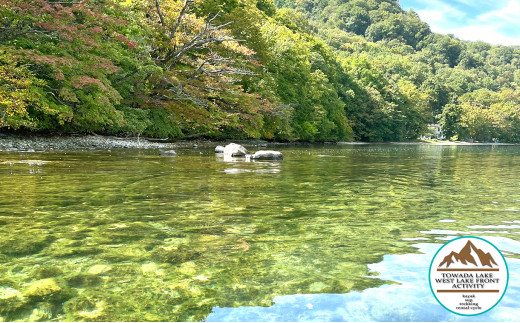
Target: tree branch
{"x":203,"y":37}
{"x":184,"y":9}
{"x":159,"y":13}
{"x":196,"y":43}
{"x":180,"y":95}
{"x":212,"y":60}
{"x":228,"y":70}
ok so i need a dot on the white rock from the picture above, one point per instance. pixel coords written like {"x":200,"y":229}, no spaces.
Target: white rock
{"x":234,"y":150}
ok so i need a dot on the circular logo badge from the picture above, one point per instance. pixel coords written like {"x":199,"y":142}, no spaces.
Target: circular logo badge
{"x":468,"y":276}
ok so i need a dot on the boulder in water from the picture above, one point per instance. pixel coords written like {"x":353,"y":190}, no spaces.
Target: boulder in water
{"x":267,"y":155}
{"x":234,"y":150}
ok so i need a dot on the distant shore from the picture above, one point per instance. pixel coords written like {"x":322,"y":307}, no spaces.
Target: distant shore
{"x":434,"y":143}
{"x":26,"y":143}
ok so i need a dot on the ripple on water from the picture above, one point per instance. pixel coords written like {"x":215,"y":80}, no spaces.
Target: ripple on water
{"x":500,"y":226}
{"x":132,"y":237}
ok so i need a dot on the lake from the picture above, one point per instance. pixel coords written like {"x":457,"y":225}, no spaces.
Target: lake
{"x":331,"y":233}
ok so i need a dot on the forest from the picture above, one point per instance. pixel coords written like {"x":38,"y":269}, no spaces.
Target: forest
{"x":284,"y":70}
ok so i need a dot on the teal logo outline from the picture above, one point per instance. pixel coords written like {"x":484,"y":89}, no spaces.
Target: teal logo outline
{"x":468,"y":237}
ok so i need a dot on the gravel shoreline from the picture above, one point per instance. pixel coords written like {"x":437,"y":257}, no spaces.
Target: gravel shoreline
{"x":28,"y":143}
{"x":10,"y":142}
{"x":86,"y":142}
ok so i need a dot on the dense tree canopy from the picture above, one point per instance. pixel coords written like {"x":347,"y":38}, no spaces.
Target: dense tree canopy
{"x":317,"y":70}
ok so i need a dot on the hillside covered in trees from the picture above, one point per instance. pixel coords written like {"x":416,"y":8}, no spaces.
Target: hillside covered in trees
{"x":317,"y":70}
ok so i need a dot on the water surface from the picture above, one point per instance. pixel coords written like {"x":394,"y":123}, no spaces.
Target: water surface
{"x":331,"y":233}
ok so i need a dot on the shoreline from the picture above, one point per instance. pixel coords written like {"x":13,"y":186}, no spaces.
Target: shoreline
{"x":24,"y":143}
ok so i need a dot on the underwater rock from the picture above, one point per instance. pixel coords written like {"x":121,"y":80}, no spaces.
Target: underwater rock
{"x":85,"y":308}
{"x":82,"y":280}
{"x":219,"y":149}
{"x":318,"y":287}
{"x":170,"y":153}
{"x":27,"y":243}
{"x":41,"y":272}
{"x":99,"y":269}
{"x":149,"y":268}
{"x":66,"y":248}
{"x":188,"y":268}
{"x":267,"y":155}
{"x":175,"y":254}
{"x":48,"y":289}
{"x":10,"y":300}
{"x":124,"y":233}
{"x":234,"y":150}
{"x":42,"y":313}
{"x":124,"y":253}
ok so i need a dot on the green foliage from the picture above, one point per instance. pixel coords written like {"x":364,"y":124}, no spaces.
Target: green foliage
{"x":292,"y":19}
{"x":16,"y":94}
{"x":161,"y":125}
{"x":450,"y":121}
{"x":267,"y":6}
{"x":77,"y":53}
{"x":315,"y":70}
{"x":484,"y":115}
{"x":136,"y":121}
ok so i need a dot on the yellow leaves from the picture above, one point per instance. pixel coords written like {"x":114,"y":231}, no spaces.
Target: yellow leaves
{"x":14,"y":94}
{"x":235,"y":47}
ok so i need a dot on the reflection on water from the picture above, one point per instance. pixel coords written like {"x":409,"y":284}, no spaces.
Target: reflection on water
{"x":410,"y":300}
{"x":132,"y":236}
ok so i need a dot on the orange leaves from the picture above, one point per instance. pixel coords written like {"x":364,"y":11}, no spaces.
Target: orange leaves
{"x":55,"y":62}
{"x":63,"y":20}
{"x":83,"y":80}
{"x":106,"y":65}
{"x":125,"y":40}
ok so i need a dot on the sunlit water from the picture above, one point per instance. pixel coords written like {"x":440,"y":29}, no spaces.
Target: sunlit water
{"x":331,"y":233}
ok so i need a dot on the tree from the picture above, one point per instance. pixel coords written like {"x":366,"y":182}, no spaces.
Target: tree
{"x":450,"y":121}
{"x":75,"y":51}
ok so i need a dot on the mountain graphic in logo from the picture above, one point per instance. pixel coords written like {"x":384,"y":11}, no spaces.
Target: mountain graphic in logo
{"x":464,"y":256}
